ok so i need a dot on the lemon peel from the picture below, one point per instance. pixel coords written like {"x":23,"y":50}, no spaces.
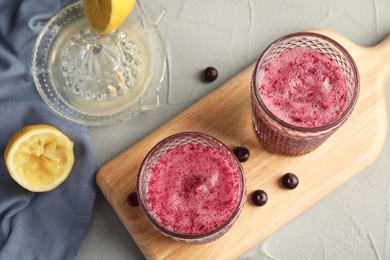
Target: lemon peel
{"x":39,"y":157}
{"x":105,"y":16}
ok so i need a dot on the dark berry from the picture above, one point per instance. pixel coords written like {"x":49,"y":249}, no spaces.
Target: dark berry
{"x":210,"y":74}
{"x":290,"y":181}
{"x":259,"y":197}
{"x":132,"y":199}
{"x":242,"y":154}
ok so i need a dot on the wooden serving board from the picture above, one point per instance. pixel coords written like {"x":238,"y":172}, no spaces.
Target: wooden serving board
{"x":226,"y":115}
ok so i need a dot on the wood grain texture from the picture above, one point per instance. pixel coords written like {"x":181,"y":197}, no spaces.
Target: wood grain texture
{"x":226,"y":115}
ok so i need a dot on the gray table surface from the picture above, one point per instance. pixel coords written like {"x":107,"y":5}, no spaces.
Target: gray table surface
{"x":352,"y":222}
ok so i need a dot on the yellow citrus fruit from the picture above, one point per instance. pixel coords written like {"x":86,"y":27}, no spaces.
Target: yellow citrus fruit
{"x":105,"y":16}
{"x":39,"y":157}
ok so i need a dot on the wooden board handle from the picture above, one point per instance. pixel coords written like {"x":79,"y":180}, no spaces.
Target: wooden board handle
{"x":377,"y":56}
{"x":381,"y":54}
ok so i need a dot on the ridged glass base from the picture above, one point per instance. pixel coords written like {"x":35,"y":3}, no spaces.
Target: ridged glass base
{"x":100,"y":67}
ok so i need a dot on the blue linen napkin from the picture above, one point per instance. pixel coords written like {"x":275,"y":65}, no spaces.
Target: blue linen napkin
{"x":49,"y":225}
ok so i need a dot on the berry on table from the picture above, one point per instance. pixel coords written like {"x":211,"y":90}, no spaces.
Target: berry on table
{"x":259,"y":197}
{"x":132,"y":199}
{"x":210,"y":74}
{"x":290,"y":181}
{"x":242,"y":153}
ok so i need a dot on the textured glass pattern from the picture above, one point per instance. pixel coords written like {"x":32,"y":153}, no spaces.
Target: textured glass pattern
{"x":281,"y":137}
{"x":170,"y":143}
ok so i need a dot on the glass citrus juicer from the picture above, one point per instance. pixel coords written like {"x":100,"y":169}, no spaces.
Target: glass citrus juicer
{"x":98,"y":80}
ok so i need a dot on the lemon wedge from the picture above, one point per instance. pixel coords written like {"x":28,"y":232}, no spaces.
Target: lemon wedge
{"x":39,"y":157}
{"x":105,"y":16}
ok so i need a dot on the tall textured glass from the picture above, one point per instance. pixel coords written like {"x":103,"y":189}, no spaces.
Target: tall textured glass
{"x":191,"y":187}
{"x":276,"y":134}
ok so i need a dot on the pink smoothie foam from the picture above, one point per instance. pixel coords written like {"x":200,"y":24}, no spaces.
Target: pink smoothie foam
{"x":193,"y":189}
{"x":304,"y":87}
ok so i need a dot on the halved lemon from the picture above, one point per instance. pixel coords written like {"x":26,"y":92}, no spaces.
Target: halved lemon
{"x":39,"y":157}
{"x":105,"y":16}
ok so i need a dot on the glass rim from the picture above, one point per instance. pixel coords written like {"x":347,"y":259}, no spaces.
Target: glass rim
{"x":192,"y":237}
{"x":347,"y":111}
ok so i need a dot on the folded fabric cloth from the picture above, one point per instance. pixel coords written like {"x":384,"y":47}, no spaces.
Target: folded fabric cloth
{"x":50,"y":225}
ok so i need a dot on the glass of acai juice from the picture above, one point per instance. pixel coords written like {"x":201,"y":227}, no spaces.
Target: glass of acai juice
{"x":303,"y":88}
{"x":191,"y":187}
